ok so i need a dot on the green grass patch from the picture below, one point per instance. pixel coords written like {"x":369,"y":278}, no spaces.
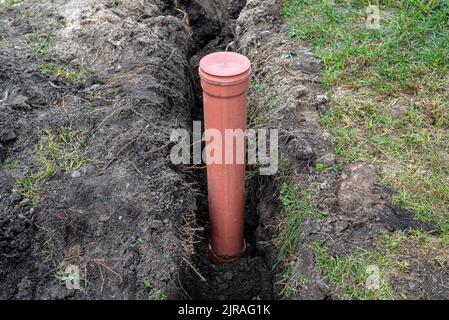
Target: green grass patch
{"x":5,"y":4}
{"x":70,"y":75}
{"x":153,"y":292}
{"x":43,"y":45}
{"x":39,"y":44}
{"x":296,"y":206}
{"x":396,"y":254}
{"x":349,"y":274}
{"x":27,"y":188}
{"x":9,"y":164}
{"x":60,"y":270}
{"x":64,"y":276}
{"x":389,"y":89}
{"x":418,"y":240}
{"x":64,"y":151}
{"x":8,"y":3}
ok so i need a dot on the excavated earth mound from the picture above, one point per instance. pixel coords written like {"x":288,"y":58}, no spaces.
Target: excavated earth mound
{"x":113,"y":212}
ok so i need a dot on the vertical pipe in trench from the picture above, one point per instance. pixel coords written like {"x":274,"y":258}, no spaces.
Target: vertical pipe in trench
{"x":225,"y":82}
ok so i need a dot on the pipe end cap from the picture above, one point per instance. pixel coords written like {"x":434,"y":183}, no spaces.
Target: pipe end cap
{"x":225,"y":64}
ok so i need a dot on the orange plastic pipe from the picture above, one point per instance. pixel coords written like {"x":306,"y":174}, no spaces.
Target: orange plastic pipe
{"x":225,"y":82}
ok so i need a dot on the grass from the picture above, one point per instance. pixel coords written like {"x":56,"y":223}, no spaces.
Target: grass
{"x":60,"y":270}
{"x":5,"y":4}
{"x":296,"y":206}
{"x":260,"y":103}
{"x":64,"y":150}
{"x":44,"y":44}
{"x":9,"y":164}
{"x":396,"y":255}
{"x":40,"y":45}
{"x":9,"y":3}
{"x":70,"y":75}
{"x":27,"y":188}
{"x":64,"y":277}
{"x":389,"y":89}
{"x":349,"y":274}
{"x":401,"y":241}
{"x":320,"y":166}
{"x":153,"y":292}
{"x":56,"y":152}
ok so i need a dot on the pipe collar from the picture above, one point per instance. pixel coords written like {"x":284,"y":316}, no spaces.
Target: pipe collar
{"x":221,"y":259}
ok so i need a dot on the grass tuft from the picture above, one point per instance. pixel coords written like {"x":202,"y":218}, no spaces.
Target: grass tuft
{"x":349,"y":274}
{"x":153,"y":292}
{"x":296,"y":206}
{"x":260,"y":103}
{"x":67,"y":74}
{"x":64,"y":151}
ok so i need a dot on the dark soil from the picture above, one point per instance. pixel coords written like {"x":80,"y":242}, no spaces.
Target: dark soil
{"x":115,"y":217}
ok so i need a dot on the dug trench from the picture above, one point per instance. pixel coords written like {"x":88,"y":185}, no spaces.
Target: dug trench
{"x":250,"y":277}
{"x":90,"y":91}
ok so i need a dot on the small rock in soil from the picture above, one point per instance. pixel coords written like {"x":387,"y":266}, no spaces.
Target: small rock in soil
{"x":76,"y":174}
{"x":104,"y":218}
{"x":314,"y":237}
{"x":300,"y":148}
{"x":15,"y":197}
{"x":157,"y":224}
{"x":24,"y":202}
{"x":321,"y":99}
{"x":87,"y":169}
{"x":323,"y":108}
{"x":324,"y":287}
{"x":7,"y":136}
{"x":327,"y":159}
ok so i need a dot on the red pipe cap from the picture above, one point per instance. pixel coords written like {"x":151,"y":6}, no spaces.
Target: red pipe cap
{"x":225,"y":68}
{"x":225,"y":64}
